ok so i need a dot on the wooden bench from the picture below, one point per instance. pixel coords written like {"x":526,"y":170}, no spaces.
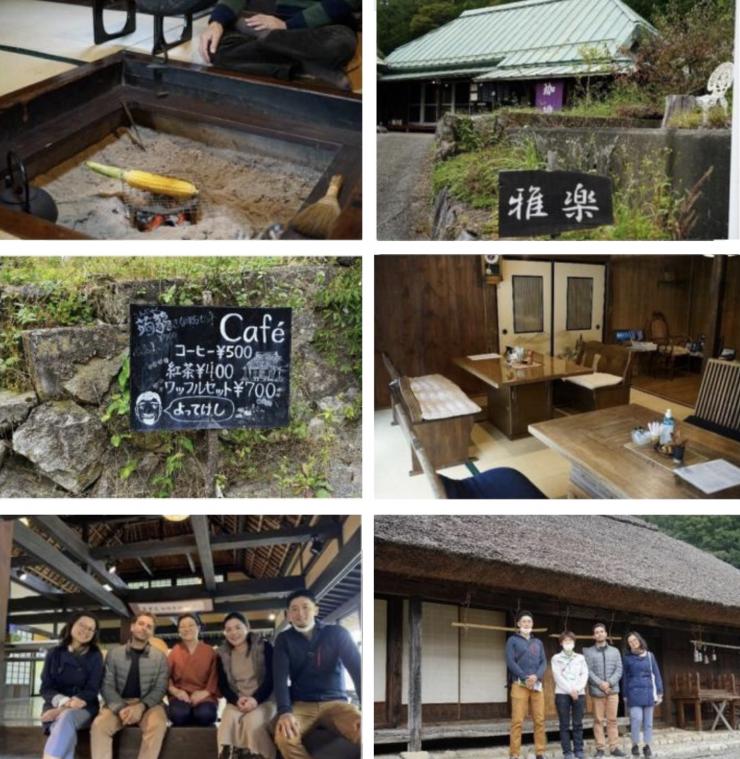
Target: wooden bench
{"x":718,"y":405}
{"x":691,"y":688}
{"x":440,"y":414}
{"x":179,"y":743}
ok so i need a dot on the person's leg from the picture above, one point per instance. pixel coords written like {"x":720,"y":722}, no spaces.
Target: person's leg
{"x":205,"y":713}
{"x":612,"y":726}
{"x":227,"y":734}
{"x":306,"y":713}
{"x":562,"y":704}
{"x":180,"y":712}
{"x":647,"y":724}
{"x":343,"y":718}
{"x":243,"y":53}
{"x":153,"y":728}
{"x":254,"y":731}
{"x":104,"y":727}
{"x":331,"y":45}
{"x":579,"y":707}
{"x":537,"y":705}
{"x":599,"y":705}
{"x":519,"y":705}
{"x":635,"y":724}
{"x":63,"y":733}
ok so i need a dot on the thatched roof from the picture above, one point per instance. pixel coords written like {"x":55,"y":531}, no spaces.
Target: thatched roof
{"x":611,"y":562}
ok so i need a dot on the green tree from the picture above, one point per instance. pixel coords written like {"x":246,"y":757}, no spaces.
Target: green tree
{"x":714,"y":534}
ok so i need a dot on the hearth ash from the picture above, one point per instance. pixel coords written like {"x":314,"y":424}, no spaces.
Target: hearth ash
{"x":148,"y":212}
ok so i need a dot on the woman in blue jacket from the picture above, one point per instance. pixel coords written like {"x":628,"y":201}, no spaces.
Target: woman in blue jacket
{"x":70,"y":683}
{"x":643,"y":691}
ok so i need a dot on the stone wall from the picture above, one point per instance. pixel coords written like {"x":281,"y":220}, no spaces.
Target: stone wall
{"x":685,"y":154}
{"x":54,"y":442}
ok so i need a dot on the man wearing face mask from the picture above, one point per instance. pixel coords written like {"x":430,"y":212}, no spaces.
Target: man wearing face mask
{"x":308,"y":678}
{"x":570,"y":673}
{"x":526,"y":664}
{"x":604,"y":673}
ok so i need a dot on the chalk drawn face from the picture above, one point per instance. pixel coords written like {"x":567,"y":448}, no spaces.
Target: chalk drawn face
{"x":148,"y":408}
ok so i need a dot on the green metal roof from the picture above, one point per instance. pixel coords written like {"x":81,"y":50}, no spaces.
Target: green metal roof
{"x":552,"y":71}
{"x":526,"y":34}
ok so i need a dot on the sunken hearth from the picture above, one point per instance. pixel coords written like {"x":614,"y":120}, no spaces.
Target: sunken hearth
{"x":258,"y":151}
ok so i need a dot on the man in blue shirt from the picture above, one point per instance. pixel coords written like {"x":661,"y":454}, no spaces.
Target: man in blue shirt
{"x":309,"y":655}
{"x":526,"y":664}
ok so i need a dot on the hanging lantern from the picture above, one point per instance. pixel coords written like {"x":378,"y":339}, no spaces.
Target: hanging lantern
{"x":714,"y":654}
{"x":697,"y":655}
{"x":706,"y":658}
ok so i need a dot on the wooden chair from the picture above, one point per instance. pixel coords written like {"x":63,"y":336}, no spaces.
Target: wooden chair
{"x":608,"y":386}
{"x":497,"y":483}
{"x":671,"y":348}
{"x":157,"y":8}
{"x":718,"y":405}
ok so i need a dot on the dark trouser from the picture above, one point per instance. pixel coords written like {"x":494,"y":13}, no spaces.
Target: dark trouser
{"x":281,"y":53}
{"x":182,"y":714}
{"x":569,"y":709}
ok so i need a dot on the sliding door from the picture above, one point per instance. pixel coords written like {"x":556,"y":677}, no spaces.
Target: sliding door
{"x":578,"y":304}
{"x":525,"y":305}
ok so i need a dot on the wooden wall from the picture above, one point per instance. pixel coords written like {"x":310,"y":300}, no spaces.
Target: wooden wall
{"x":429,"y":309}
{"x":731,"y":311}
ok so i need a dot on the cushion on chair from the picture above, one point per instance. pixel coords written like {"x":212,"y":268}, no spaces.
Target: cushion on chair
{"x":440,"y":398}
{"x":499,"y":483}
{"x":595,"y":380}
{"x":714,"y":427}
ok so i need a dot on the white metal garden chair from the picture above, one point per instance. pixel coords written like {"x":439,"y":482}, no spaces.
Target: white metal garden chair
{"x":719,"y":82}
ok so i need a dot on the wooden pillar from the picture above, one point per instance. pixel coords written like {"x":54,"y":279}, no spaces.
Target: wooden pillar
{"x":414,"y":674}
{"x":394,"y":661}
{"x":6,"y":544}
{"x":713,"y":328}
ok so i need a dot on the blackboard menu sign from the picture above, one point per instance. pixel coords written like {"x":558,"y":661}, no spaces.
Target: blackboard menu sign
{"x":202,"y":367}
{"x":547,"y":202}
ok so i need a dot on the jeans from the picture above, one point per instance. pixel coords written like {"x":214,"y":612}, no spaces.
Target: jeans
{"x":568,"y":710}
{"x":182,"y":714}
{"x":281,"y":53}
{"x":63,"y":733}
{"x":641,"y":717}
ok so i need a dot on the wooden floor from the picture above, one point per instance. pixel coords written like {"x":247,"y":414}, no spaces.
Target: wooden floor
{"x":683,"y":389}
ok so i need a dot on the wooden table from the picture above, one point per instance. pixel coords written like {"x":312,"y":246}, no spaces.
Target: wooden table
{"x":519,"y":397}
{"x":602,"y":467}
{"x":720,"y":701}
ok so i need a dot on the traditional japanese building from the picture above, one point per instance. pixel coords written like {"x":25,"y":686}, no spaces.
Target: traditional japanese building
{"x":433,"y":573}
{"x":527,"y":53}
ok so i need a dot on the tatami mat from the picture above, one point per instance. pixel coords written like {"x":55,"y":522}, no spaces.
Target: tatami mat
{"x":18,"y":71}
{"x":546,"y":468}
{"x":66,"y":31}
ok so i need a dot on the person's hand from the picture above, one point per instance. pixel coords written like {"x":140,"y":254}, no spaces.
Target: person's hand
{"x":531,"y":681}
{"x":246,"y":704}
{"x":199,"y":695}
{"x":210,"y":40}
{"x":132,"y":714}
{"x":574,"y":695}
{"x":288,"y":726}
{"x":51,"y":714}
{"x":605,"y":687}
{"x":261,"y":22}
{"x":659,"y":700}
{"x":180,"y":695}
{"x":75,"y":703}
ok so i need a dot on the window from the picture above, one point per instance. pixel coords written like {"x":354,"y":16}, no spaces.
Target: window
{"x":189,"y":581}
{"x":527,"y":293}
{"x":579,"y":303}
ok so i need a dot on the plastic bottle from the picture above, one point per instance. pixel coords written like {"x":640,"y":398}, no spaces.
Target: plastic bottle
{"x":667,"y":428}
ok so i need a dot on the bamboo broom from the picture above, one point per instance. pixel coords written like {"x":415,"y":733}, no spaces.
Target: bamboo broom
{"x":144,"y":180}
{"x":317,"y":219}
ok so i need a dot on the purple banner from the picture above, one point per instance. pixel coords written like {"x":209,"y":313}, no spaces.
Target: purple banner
{"x":549,"y":95}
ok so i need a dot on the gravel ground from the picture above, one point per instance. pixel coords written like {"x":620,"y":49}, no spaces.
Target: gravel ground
{"x":404,"y":186}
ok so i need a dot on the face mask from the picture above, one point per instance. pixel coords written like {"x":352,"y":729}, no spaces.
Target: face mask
{"x":306,"y":630}
{"x":567,"y":647}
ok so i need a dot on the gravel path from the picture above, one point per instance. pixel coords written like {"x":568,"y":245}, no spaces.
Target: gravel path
{"x":404,"y":176}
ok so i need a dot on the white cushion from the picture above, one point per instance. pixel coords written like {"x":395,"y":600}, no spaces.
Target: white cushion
{"x":595,"y":380}
{"x":441,"y":398}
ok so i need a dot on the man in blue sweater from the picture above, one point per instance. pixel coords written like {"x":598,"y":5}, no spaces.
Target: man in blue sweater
{"x":309,"y":655}
{"x":526,"y":664}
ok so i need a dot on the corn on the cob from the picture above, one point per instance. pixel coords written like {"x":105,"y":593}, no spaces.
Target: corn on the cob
{"x":144,"y":180}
